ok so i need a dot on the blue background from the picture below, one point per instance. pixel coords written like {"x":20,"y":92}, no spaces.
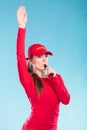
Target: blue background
{"x":61,"y":25}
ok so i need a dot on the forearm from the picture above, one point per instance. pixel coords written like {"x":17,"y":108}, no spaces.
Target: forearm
{"x":60,"y":89}
{"x":21,"y":42}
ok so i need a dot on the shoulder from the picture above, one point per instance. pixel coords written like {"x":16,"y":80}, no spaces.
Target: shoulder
{"x":59,"y":75}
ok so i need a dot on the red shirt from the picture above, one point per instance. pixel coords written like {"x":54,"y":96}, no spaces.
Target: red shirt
{"x":44,"y":109}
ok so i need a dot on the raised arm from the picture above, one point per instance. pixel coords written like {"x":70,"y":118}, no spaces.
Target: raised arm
{"x":24,"y":76}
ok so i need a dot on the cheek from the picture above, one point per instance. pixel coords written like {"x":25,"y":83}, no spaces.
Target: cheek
{"x":37,"y":62}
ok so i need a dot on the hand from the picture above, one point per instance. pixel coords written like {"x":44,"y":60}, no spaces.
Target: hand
{"x":22,"y":16}
{"x":50,"y":71}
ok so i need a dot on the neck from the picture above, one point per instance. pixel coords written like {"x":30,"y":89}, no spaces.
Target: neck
{"x":41,"y":74}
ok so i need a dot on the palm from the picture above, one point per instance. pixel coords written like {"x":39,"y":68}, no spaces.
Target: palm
{"x":21,"y":16}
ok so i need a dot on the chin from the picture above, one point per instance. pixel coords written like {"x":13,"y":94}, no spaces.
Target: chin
{"x":41,"y":68}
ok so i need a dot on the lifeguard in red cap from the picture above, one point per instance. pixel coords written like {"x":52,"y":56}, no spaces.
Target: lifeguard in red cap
{"x":44,"y":88}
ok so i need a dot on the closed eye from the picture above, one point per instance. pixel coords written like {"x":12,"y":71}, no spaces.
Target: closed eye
{"x":46,"y":55}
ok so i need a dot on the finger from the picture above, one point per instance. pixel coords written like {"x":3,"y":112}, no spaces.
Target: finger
{"x":21,"y":9}
{"x":24,"y":8}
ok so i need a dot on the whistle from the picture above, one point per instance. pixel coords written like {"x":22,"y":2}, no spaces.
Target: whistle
{"x":51,"y":74}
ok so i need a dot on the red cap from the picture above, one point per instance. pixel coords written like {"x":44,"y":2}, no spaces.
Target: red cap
{"x":38,"y":50}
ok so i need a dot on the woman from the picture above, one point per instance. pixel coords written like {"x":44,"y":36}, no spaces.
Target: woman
{"x":44,"y":88}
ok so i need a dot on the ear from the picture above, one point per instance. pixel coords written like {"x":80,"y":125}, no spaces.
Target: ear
{"x":30,"y":67}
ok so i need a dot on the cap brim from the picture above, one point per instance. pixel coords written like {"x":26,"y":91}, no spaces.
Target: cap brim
{"x":41,"y":53}
{"x":49,"y":53}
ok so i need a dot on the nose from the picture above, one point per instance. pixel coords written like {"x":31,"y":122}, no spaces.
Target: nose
{"x":44,"y":59}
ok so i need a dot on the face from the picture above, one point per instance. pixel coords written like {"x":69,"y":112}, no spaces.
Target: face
{"x":39,"y":61}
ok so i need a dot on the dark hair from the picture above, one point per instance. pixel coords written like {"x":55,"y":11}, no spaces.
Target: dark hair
{"x":37,"y":81}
